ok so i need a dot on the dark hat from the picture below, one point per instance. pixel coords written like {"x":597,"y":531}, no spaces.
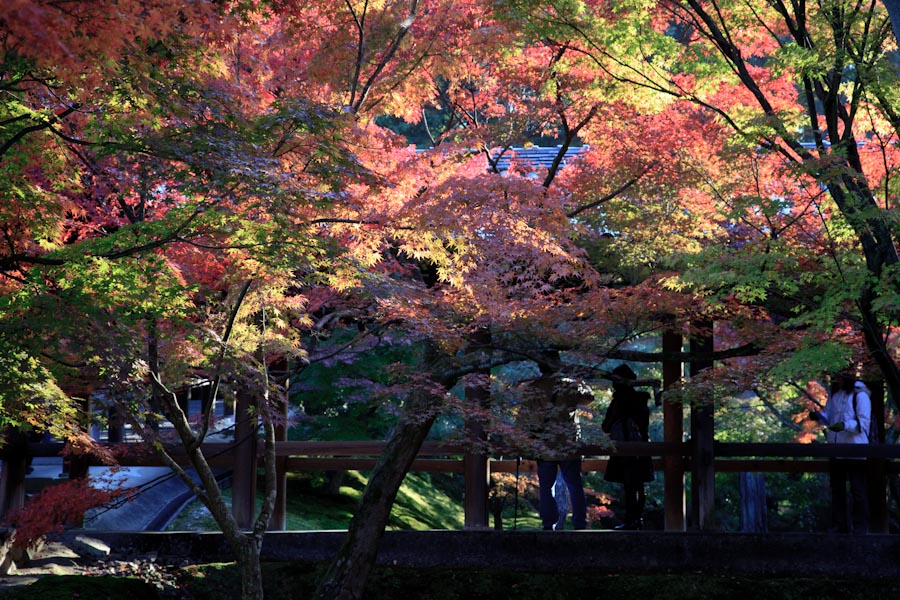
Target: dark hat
{"x":624,"y":372}
{"x":549,"y":361}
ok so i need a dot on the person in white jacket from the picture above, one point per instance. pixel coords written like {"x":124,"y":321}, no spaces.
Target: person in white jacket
{"x":847,"y":417}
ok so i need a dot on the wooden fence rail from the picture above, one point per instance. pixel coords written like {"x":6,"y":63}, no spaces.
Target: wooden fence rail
{"x":448,"y":457}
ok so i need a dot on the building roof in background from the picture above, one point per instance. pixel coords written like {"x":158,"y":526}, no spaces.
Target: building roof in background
{"x":534,"y":158}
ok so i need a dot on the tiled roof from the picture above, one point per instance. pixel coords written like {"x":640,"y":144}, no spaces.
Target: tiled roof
{"x":534,"y":158}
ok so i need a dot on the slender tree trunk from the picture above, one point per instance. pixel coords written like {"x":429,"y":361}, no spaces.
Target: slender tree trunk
{"x":346,"y":577}
{"x":349,"y":571}
{"x":246,"y":546}
{"x":880,"y":252}
{"x":754,"y":515}
{"x":250,"y":567}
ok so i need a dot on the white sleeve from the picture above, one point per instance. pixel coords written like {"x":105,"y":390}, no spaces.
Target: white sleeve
{"x":863,"y":413}
{"x":824,"y":417}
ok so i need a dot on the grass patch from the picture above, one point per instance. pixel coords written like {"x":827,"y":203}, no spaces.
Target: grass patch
{"x":425,"y":501}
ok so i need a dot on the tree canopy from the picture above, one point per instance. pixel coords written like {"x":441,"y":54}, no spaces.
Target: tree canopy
{"x":198,"y":190}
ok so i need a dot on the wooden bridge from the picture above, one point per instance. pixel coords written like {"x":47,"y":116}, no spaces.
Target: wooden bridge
{"x":700,"y":455}
{"x":673,"y":460}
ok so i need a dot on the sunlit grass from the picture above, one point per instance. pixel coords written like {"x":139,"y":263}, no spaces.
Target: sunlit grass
{"x":419,"y":505}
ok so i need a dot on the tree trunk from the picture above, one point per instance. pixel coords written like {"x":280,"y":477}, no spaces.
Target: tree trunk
{"x":880,"y":253}
{"x":245,"y":546}
{"x":346,"y":577}
{"x":250,"y":568}
{"x":497,"y":515}
{"x":754,"y":514}
{"x":849,"y":188}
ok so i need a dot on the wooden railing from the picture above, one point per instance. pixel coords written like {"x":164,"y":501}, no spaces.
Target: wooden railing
{"x":442,"y":457}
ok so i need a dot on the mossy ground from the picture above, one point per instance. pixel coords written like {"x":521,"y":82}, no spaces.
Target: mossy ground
{"x":293,"y":581}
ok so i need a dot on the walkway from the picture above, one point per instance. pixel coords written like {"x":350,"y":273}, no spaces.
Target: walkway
{"x":158,"y":495}
{"x":538,"y":551}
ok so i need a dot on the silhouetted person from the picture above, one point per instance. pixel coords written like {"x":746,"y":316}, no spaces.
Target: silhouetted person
{"x":550,"y":405}
{"x":627,"y":420}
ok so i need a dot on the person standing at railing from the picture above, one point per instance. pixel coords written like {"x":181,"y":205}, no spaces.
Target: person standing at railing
{"x":628,"y":420}
{"x":548,"y":418}
{"x":847,"y":417}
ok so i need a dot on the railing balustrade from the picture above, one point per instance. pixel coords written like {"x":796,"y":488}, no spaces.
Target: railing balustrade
{"x":448,"y":457}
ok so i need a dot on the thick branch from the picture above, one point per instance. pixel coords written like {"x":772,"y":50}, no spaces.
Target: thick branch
{"x":613,"y":194}
{"x":32,"y":128}
{"x":15,"y":261}
{"x":386,"y":58}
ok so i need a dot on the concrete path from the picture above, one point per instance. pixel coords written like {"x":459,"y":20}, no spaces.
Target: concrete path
{"x":157,"y":495}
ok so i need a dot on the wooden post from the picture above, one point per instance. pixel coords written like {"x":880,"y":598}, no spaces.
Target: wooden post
{"x":703,"y":481}
{"x":76,"y":465}
{"x":115,"y":424}
{"x":879,"y":518}
{"x":673,"y":431}
{"x":227,"y":407}
{"x":243,"y":479}
{"x":278,"y":522}
{"x":477,"y":475}
{"x":476,"y":468}
{"x":15,"y":468}
{"x":183,"y":398}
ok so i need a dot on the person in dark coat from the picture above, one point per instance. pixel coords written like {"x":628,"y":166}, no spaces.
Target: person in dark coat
{"x":548,"y":418}
{"x":627,"y":420}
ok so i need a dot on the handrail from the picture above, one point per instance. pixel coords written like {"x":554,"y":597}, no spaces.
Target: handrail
{"x":816,"y":450}
{"x":374,"y":448}
{"x":671,"y":458}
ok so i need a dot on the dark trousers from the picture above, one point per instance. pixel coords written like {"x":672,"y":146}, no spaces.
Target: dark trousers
{"x":571,"y":473}
{"x":843,"y":471}
{"x":635,"y":499}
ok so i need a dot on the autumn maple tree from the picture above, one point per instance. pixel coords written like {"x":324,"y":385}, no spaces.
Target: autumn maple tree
{"x":203,"y":190}
{"x":158,"y":216}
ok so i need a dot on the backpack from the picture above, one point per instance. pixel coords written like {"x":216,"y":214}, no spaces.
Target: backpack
{"x":872,"y":434}
{"x":625,"y":430}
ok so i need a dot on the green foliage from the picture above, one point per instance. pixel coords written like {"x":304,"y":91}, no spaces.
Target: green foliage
{"x":812,"y":357}
{"x":134,"y":288}
{"x":342,"y":399}
{"x":887,"y":303}
{"x":29,"y":395}
{"x":748,"y":419}
{"x":616,"y":40}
